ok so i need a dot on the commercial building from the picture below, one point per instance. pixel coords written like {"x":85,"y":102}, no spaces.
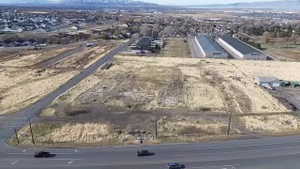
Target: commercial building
{"x":209,"y":48}
{"x":239,"y":49}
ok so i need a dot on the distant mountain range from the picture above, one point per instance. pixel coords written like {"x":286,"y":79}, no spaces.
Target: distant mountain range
{"x":277,"y":4}
{"x":81,"y":3}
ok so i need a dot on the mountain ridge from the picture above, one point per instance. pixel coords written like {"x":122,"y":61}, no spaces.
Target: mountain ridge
{"x":84,"y":3}
{"x":276,"y":4}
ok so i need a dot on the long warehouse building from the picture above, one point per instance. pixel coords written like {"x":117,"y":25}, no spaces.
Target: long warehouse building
{"x":209,"y":48}
{"x":239,"y":49}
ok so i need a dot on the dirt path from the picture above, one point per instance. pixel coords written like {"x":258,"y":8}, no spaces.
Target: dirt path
{"x":56,"y":59}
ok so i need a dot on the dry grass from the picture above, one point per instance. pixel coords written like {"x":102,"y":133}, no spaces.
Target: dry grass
{"x":73,"y":134}
{"x":86,"y":57}
{"x":22,"y":83}
{"x":26,"y":87}
{"x":271,"y":124}
{"x":146,"y":85}
{"x":204,"y":15}
{"x":189,"y":97}
{"x":195,"y":84}
{"x":175,"y":47}
{"x":31,"y":59}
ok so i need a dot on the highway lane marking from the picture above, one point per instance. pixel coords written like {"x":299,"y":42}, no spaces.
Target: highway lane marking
{"x":62,"y":159}
{"x":233,"y":166}
{"x":24,"y":151}
{"x":70,"y":162}
{"x":27,"y":153}
{"x":229,"y":167}
{"x":14,"y":162}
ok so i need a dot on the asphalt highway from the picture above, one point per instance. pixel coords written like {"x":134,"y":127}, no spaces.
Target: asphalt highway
{"x":264,"y":153}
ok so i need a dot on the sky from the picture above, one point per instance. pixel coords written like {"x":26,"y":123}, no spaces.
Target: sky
{"x":199,"y":2}
{"x":177,"y":2}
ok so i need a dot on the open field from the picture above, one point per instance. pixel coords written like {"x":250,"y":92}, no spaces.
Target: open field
{"x":24,"y":79}
{"x":281,"y":48}
{"x":183,"y":99}
{"x":204,"y":15}
{"x":285,"y":54}
{"x":175,"y":47}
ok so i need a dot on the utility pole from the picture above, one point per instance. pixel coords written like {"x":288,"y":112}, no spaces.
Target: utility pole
{"x":32,"y":137}
{"x":17,"y":137}
{"x":140,"y":138}
{"x":155,"y":128}
{"x":229,"y":124}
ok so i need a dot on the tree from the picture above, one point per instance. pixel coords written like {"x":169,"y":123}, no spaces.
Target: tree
{"x":267,"y":37}
{"x":294,"y":37}
{"x":146,"y":30}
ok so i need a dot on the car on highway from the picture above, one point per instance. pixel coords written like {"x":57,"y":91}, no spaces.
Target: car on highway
{"x":43,"y":154}
{"x":141,"y":153}
{"x":176,"y":166}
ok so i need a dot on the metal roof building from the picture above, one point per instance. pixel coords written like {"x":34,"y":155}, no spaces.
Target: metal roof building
{"x":239,"y":49}
{"x":209,"y":48}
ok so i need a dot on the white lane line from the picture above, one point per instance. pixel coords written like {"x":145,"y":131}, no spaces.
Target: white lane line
{"x":228,"y":167}
{"x":14,"y":162}
{"x":27,"y":153}
{"x":76,"y":151}
{"x":18,"y":153}
{"x":62,"y":159}
{"x":24,"y":151}
{"x":70,"y":162}
{"x":217,"y":167}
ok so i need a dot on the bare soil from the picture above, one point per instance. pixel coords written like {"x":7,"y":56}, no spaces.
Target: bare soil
{"x":187,"y":99}
{"x":24,"y":79}
{"x":176,"y":47}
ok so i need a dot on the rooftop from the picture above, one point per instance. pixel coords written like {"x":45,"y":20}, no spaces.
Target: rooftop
{"x":208,"y":44}
{"x":240,"y":46}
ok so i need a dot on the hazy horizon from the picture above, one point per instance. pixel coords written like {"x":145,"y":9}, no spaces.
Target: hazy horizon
{"x":167,"y":2}
{"x":199,"y":2}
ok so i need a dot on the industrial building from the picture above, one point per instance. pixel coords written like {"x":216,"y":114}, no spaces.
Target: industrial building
{"x":239,"y":49}
{"x":147,"y":43}
{"x":209,"y":48}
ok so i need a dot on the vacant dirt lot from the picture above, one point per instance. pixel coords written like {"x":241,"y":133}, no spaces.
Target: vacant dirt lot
{"x":284,"y":53}
{"x":23,"y":81}
{"x":204,"y":15}
{"x":176,"y":47}
{"x":283,"y":49}
{"x":184,"y":99}
{"x":21,"y":85}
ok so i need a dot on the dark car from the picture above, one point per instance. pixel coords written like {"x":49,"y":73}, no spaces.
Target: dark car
{"x":43,"y":154}
{"x":144,"y":153}
{"x":176,"y":166}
